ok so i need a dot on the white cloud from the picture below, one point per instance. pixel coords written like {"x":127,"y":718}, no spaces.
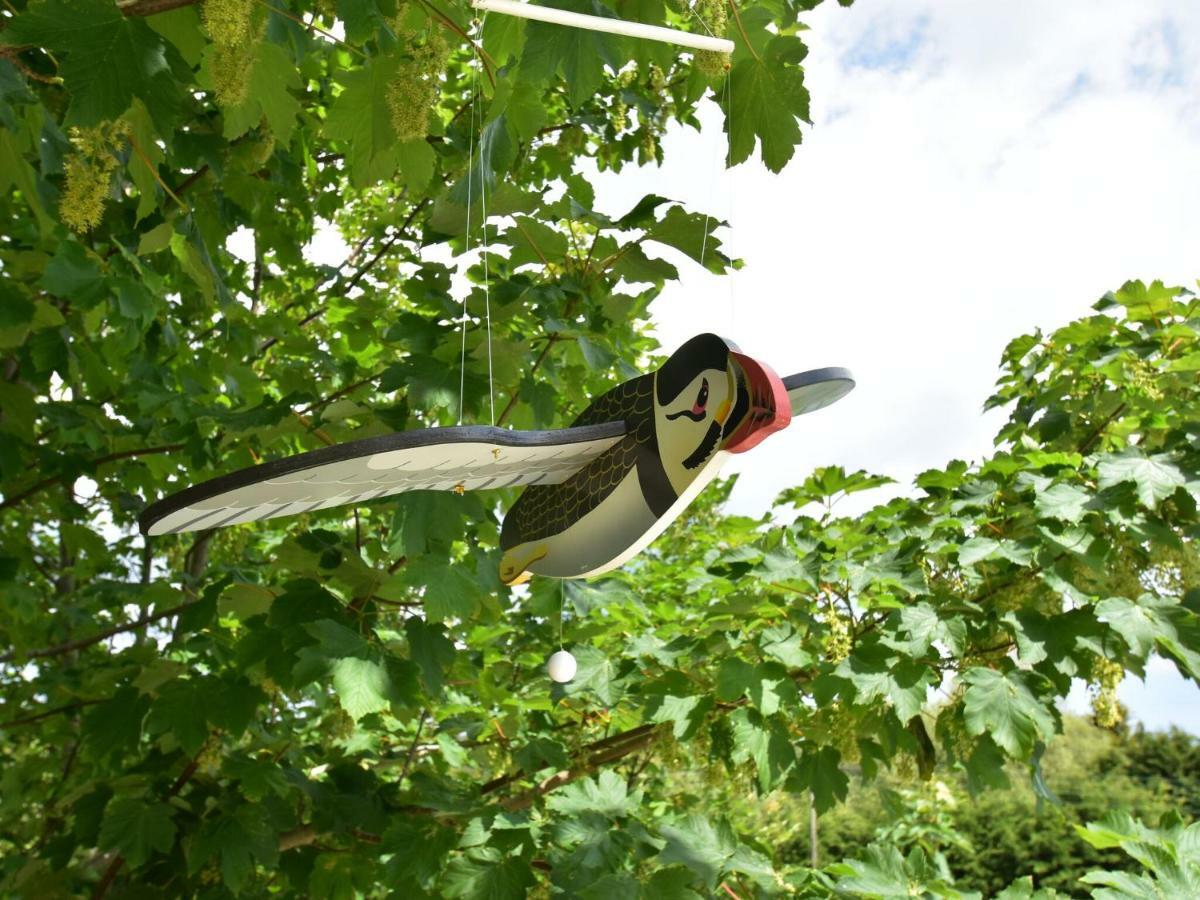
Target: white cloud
{"x":975,"y":171}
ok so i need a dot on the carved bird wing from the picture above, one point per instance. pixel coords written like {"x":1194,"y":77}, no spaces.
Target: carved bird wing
{"x":469,"y":457}
{"x":547,"y":508}
{"x":817,"y":388}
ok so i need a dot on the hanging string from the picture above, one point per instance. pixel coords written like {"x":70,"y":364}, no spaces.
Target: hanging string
{"x":726,"y":99}
{"x":462,"y":360}
{"x":562,"y":603}
{"x":487,"y":297}
{"x":476,"y":124}
{"x":718,"y":162}
{"x":712,"y":182}
{"x":732,"y":194}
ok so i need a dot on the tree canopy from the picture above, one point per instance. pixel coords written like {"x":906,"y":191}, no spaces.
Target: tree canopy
{"x":349,"y":703}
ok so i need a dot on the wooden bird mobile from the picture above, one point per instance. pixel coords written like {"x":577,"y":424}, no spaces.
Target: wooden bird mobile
{"x":596,"y":493}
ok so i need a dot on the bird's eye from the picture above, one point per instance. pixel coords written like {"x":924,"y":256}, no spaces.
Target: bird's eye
{"x":702,"y":397}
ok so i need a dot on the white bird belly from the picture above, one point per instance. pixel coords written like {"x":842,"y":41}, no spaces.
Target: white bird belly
{"x":620,"y":527}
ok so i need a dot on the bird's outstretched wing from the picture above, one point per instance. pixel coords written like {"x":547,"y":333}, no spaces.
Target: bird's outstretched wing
{"x":817,"y":388}
{"x":469,"y":458}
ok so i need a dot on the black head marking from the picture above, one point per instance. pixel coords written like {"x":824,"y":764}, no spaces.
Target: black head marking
{"x":706,"y":447}
{"x":704,"y":351}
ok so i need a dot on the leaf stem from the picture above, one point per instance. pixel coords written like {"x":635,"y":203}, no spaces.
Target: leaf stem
{"x":154,"y":172}
{"x":489,"y":64}
{"x":737,"y":17}
{"x":287,"y":14}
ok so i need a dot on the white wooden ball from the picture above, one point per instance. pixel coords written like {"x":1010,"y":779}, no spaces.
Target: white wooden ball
{"x":561,"y":666}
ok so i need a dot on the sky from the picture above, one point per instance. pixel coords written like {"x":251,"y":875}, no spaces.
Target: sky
{"x":975,"y":170}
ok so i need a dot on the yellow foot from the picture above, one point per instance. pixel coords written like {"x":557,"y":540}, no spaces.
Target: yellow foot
{"x":514,"y":565}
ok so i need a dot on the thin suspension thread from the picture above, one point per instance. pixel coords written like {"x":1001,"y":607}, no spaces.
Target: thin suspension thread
{"x":562,"y":603}
{"x":487,"y":297}
{"x":712,"y":182}
{"x":476,"y":123}
{"x":727,"y":98}
{"x":732,"y":192}
{"x":462,"y":359}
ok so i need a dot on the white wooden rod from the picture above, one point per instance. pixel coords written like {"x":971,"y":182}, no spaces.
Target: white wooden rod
{"x":600,"y":23}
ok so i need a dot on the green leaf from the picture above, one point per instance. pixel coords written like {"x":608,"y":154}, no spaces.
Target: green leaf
{"x":336,"y":641}
{"x":542,"y":752}
{"x":361,"y":117}
{"x":1156,"y":476}
{"x":450,"y":591}
{"x":607,"y":795}
{"x":116,"y":725}
{"x":976,"y":550}
{"x":519,"y":101}
{"x":485,"y":875}
{"x":239,"y":840}
{"x":578,"y":54}
{"x":363,"y":686}
{"x":245,"y":601}
{"x":691,"y":234}
{"x":431,"y":650}
{"x":685,"y":714}
{"x":785,"y":645}
{"x":74,"y":273}
{"x":1144,"y":303}
{"x":1003,"y":706}
{"x":157,"y":238}
{"x":597,"y":674}
{"x":137,"y":829}
{"x":1139,"y":623}
{"x":735,"y":677}
{"x":764,"y":743}
{"x":704,"y":848}
{"x":884,"y":873}
{"x":272,"y":79}
{"x":880,"y":873}
{"x":901,"y":684}
{"x":770,"y":101}
{"x":1062,"y":501}
{"x":179,"y":711}
{"x":109,"y":59}
{"x":820,"y":771}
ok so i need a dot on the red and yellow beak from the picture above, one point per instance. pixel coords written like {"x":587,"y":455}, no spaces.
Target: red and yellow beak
{"x":769,"y":409}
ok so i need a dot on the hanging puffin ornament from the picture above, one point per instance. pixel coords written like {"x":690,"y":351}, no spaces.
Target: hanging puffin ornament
{"x":597,"y":492}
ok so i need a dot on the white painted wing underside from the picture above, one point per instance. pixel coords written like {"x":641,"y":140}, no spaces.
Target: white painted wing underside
{"x":471,"y":458}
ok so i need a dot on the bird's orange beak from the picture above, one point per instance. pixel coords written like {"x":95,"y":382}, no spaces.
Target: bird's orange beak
{"x":769,"y":409}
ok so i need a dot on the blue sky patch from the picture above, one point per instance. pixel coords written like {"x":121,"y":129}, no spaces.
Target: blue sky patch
{"x":889,"y":46}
